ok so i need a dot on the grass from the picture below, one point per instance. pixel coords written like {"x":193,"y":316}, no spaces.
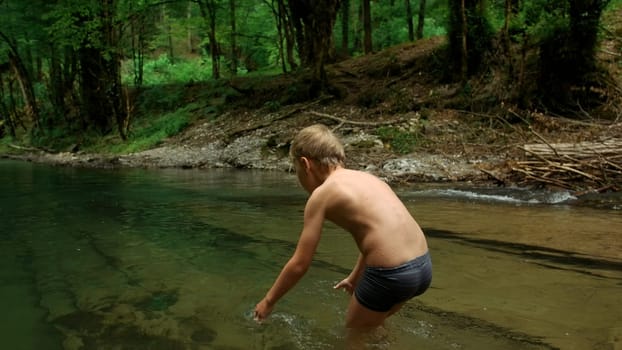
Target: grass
{"x":146,"y":133}
{"x":401,"y":141}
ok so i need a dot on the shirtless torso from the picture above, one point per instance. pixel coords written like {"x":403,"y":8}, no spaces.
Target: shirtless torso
{"x":383,"y":228}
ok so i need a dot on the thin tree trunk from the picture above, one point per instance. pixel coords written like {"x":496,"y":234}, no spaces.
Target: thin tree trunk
{"x":464,"y":66}
{"x":421,"y":20}
{"x":24,"y":80}
{"x":208,"y":12}
{"x":189,"y":31}
{"x":367,"y":30}
{"x":26,"y":87}
{"x":278,"y":19}
{"x":4,"y":111}
{"x":409,"y":20}
{"x":137,"y":34}
{"x":169,"y":34}
{"x":56,"y":84}
{"x":234,"y":49}
{"x":506,"y":36}
{"x":288,"y":31}
{"x":345,"y":28}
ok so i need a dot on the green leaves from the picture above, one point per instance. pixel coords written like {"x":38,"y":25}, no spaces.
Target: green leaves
{"x":400,"y":140}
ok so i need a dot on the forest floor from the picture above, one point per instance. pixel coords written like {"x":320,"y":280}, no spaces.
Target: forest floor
{"x":390,"y":106}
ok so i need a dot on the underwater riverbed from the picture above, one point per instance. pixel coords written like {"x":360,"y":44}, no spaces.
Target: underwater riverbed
{"x":177,"y":259}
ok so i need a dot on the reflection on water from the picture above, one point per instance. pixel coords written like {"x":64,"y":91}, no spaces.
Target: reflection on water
{"x":176,"y":259}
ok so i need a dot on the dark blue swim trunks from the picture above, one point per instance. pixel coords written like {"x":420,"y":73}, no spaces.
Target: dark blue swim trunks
{"x":381,"y":288}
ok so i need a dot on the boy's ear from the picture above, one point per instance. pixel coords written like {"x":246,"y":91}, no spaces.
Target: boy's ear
{"x":305,"y":162}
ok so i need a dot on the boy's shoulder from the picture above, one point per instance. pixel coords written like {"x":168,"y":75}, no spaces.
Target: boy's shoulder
{"x":357,"y":176}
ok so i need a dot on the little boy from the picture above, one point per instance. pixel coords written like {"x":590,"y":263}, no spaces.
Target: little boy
{"x":393,"y":265}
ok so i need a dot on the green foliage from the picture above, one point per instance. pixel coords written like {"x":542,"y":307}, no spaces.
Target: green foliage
{"x":57,"y":138}
{"x":542,"y":19}
{"x":434,"y":27}
{"x":147,"y":132}
{"x":162,"y":70}
{"x":272,"y":105}
{"x":390,"y":29}
{"x":400,"y":140}
{"x":161,"y":98}
{"x":155,"y":132}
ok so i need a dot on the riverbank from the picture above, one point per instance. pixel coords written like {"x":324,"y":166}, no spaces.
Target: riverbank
{"x":248,"y":152}
{"x":447,"y":146}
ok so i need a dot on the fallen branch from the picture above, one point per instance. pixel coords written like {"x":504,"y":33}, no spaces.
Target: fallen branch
{"x":498,"y":179}
{"x":580,"y":149}
{"x":575,"y":166}
{"x":22,"y":148}
{"x":544,"y":140}
{"x":298,"y":109}
{"x":345,"y":121}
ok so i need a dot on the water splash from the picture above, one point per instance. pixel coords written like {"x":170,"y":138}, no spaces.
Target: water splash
{"x":511,"y":196}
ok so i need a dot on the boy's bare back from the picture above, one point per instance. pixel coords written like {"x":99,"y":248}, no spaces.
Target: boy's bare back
{"x":385,"y":232}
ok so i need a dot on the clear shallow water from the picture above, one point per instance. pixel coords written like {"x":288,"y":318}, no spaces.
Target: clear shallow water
{"x":176,"y":259}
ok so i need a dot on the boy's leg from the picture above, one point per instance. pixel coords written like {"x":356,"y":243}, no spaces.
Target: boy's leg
{"x":361,"y":322}
{"x":360,"y":317}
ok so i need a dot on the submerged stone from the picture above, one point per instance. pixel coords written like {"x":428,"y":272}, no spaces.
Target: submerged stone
{"x":159,"y":301}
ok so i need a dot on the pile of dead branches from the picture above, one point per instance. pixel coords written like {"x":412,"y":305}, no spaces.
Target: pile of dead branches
{"x":581,"y":167}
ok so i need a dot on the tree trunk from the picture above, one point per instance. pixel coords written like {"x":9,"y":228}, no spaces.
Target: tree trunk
{"x":24,"y":80}
{"x":367,"y":29}
{"x":409,"y":21}
{"x":101,"y":78}
{"x":27,"y":89}
{"x":464,"y":57}
{"x":505,"y":38}
{"x":357,"y":42}
{"x":234,"y":50}
{"x":568,"y":60}
{"x":314,"y":22}
{"x":208,"y":12}
{"x":137,"y":33}
{"x":169,"y":34}
{"x":421,"y":19}
{"x":278,"y":20}
{"x":5,"y":115}
{"x":189,"y":31}
{"x":289,"y":32}
{"x":345,"y":28}
{"x":101,"y":91}
{"x":56,"y":85}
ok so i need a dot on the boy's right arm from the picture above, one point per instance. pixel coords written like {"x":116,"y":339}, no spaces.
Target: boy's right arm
{"x":300,"y":261}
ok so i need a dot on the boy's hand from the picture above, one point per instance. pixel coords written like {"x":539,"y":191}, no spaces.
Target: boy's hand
{"x":262,"y":310}
{"x":346,"y":285}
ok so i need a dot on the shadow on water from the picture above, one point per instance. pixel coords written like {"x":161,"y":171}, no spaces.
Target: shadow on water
{"x":489,"y":335}
{"x":549,"y":257}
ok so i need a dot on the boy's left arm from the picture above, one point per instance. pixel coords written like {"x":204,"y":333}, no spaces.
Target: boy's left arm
{"x":349,"y":283}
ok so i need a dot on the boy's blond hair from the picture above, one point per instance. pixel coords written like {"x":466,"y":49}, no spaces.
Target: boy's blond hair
{"x":318,"y":143}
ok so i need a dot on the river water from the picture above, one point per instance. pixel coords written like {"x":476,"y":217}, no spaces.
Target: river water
{"x":177,"y":259}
